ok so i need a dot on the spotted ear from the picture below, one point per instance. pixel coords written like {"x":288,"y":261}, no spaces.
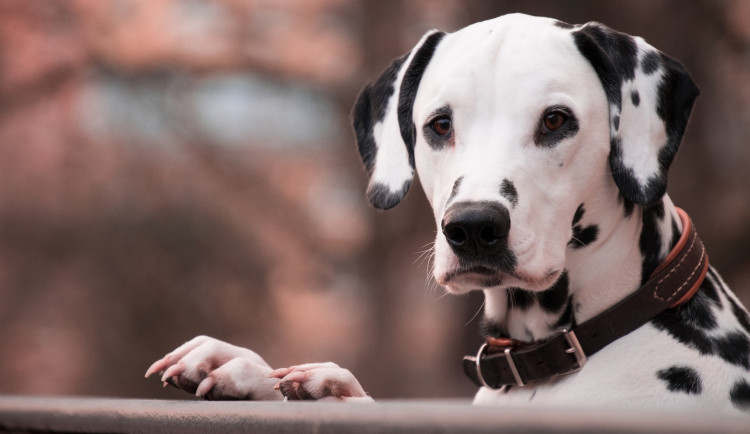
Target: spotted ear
{"x":650,"y":97}
{"x":384,"y":126}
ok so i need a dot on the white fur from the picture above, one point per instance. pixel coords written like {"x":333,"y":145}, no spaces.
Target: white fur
{"x":497,"y":105}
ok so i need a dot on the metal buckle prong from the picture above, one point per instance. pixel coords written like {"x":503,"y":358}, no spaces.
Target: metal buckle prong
{"x":478,"y":361}
{"x":513,"y":369}
{"x":575,"y":349}
{"x":479,"y":365}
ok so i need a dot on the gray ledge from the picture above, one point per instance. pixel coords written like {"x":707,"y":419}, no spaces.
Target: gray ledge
{"x":46,"y":414}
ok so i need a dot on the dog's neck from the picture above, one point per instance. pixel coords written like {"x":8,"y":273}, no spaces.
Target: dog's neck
{"x":631,"y":241}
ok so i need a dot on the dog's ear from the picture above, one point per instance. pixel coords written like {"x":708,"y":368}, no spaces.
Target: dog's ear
{"x":384,"y":126}
{"x":650,"y":97}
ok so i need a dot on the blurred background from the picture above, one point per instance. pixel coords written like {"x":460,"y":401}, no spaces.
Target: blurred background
{"x":170,"y":168}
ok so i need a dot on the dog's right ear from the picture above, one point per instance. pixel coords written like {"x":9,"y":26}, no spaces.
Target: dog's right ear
{"x":384,"y":125}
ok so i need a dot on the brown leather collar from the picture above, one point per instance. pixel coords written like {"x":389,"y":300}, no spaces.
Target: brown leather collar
{"x":501,"y":362}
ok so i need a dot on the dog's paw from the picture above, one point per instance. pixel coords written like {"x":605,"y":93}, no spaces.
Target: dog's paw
{"x":319,"y":381}
{"x":216,"y":370}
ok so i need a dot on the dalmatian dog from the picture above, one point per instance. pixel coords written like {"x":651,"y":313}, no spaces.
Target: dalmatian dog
{"x":543,"y":149}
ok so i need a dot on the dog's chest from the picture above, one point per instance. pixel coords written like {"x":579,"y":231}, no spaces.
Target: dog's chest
{"x":697,"y":356}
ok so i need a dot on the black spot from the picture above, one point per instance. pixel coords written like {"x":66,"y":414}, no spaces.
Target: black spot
{"x":454,"y":191}
{"x":563,"y":25}
{"x":682,"y":324}
{"x":616,"y":122}
{"x":734,"y":348}
{"x":635,"y":98}
{"x":740,"y":395}
{"x":409,"y":87}
{"x":671,"y":321}
{"x":508,"y":191}
{"x":700,"y":314}
{"x":370,"y":109}
{"x":554,"y":298}
{"x":651,"y":62}
{"x":681,"y":379}
{"x":578,"y":214}
{"x":582,"y":236}
{"x":383,"y":198}
{"x":520,"y":298}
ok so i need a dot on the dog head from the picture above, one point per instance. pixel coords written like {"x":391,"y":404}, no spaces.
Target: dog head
{"x":513,"y":124}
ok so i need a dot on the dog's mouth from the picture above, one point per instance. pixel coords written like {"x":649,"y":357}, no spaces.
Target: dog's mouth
{"x":478,"y":270}
{"x":477,"y":277}
{"x":472,"y":278}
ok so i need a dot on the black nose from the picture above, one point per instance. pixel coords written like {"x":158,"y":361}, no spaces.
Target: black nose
{"x":476,"y":229}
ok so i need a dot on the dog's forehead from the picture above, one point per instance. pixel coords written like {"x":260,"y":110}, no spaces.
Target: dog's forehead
{"x":512,"y":37}
{"x":514,"y":51}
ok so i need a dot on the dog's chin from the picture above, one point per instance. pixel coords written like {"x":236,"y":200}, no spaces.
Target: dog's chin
{"x":463,"y":280}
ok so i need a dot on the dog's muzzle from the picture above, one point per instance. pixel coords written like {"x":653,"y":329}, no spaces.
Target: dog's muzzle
{"x":476,"y":230}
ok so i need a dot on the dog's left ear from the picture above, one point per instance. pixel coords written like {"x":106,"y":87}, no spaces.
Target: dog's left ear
{"x":384,"y":125}
{"x":650,"y":97}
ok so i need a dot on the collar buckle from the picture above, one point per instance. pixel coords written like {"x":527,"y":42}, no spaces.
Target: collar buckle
{"x":511,"y":365}
{"x":478,"y":362}
{"x":576,"y":350}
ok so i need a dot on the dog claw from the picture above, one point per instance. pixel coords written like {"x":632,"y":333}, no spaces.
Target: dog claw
{"x":157,"y":366}
{"x":172,"y":371}
{"x":205,"y":386}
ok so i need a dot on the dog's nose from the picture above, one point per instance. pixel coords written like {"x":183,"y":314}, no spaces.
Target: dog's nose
{"x":476,"y":228}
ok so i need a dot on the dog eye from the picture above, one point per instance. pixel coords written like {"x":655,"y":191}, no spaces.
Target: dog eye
{"x":552,"y":121}
{"x":441,"y":126}
{"x":556,"y":124}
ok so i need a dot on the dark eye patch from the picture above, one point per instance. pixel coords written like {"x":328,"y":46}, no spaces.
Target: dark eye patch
{"x":439,"y":128}
{"x":555,"y":124}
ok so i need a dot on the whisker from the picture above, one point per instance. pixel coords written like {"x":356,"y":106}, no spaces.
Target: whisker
{"x":427,"y":249}
{"x":476,"y":314}
{"x":511,"y":298}
{"x":433,"y":286}
{"x":577,"y":240}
